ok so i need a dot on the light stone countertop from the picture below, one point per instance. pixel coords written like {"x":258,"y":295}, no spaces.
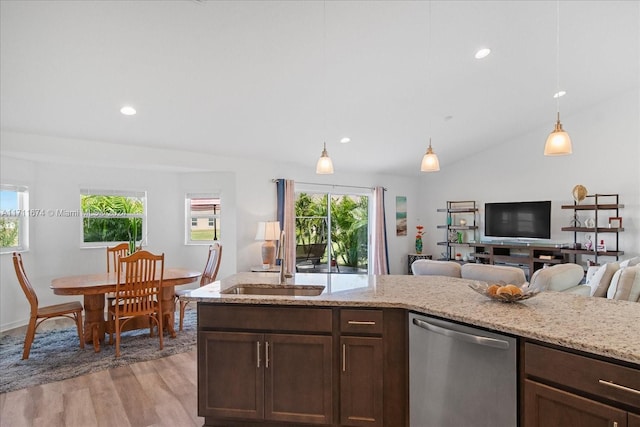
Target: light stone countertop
{"x":599,"y":326}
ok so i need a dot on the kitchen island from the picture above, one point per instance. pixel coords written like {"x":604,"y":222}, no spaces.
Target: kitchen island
{"x":592,"y":332}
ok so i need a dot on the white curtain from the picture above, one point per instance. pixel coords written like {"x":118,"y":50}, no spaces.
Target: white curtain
{"x":379,"y":238}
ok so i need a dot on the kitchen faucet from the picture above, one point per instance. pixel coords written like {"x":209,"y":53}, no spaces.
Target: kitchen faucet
{"x":282,"y":256}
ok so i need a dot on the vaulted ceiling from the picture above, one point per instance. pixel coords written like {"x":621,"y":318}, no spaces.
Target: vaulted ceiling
{"x":275,"y":79}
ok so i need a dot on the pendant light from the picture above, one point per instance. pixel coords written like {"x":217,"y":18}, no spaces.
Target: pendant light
{"x":558,"y":142}
{"x":430,"y":161}
{"x":324,"y":165}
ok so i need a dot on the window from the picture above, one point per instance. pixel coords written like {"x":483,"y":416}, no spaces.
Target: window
{"x":203,"y":218}
{"x":332,"y":232}
{"x":14,"y":218}
{"x":113,"y":216}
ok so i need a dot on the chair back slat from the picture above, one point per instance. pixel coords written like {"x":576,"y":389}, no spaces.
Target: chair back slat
{"x":115,"y":252}
{"x":139,"y":284}
{"x":25,"y":284}
{"x":213,"y":264}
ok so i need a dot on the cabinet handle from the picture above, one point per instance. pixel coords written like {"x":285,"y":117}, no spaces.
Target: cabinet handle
{"x":258,"y":361}
{"x":344,"y":358}
{"x":266,"y":354}
{"x":361,"y":322}
{"x":618,"y":386}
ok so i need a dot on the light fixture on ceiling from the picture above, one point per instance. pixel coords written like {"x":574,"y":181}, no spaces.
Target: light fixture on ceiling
{"x":482,"y":53}
{"x":430,"y":161}
{"x":558,"y":142}
{"x":324,"y":165}
{"x":128,"y":110}
{"x":345,"y":140}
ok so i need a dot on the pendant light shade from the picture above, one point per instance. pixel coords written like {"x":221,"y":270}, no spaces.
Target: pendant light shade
{"x":324,"y":165}
{"x":558,"y":142}
{"x":430,"y":161}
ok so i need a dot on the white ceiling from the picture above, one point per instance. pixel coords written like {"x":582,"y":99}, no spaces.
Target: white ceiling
{"x":274,"y":79}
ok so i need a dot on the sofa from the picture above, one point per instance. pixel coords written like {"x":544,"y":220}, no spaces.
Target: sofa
{"x":427,"y":267}
{"x":560,"y":278}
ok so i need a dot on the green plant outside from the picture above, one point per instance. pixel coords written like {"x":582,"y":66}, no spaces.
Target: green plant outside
{"x":349,"y":225}
{"x":109,"y":218}
{"x":9,"y":233}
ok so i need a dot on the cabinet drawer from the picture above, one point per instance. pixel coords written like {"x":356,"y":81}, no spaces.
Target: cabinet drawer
{"x":285,"y":319}
{"x":596,"y":377}
{"x":361,"y":321}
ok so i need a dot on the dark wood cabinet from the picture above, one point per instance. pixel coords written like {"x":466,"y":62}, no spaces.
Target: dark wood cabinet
{"x":298,"y":378}
{"x":548,"y":406}
{"x":279,"y":366}
{"x":361,"y":381}
{"x":568,"y":389}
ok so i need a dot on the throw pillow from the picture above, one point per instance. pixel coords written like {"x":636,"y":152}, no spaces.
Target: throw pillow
{"x":625,"y":285}
{"x":601,"y":280}
{"x":630,"y":262}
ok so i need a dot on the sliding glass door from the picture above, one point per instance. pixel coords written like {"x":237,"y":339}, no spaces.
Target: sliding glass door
{"x":332,"y":231}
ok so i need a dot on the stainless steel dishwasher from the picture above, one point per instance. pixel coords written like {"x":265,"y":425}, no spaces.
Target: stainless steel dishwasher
{"x":460,"y":376}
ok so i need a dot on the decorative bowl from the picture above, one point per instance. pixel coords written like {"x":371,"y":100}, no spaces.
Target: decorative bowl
{"x":510,"y":294}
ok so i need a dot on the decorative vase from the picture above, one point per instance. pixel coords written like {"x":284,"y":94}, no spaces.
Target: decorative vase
{"x":418,"y":245}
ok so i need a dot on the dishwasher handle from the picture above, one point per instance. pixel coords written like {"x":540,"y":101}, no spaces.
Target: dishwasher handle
{"x":462,"y":336}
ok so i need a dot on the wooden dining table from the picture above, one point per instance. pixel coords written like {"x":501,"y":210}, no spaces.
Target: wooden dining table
{"x":94,"y":287}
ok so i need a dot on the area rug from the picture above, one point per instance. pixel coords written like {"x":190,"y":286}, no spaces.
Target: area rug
{"x":56,"y":354}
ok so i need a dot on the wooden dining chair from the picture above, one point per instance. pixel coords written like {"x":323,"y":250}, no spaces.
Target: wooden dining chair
{"x":115,"y":252}
{"x":208,"y":276}
{"x":71,"y":310}
{"x":138,"y":293}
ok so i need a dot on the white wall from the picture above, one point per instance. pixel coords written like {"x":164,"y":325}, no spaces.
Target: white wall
{"x":55,"y":169}
{"x":605,"y":159}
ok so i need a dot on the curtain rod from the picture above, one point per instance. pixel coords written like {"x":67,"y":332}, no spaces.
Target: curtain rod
{"x":332,"y":185}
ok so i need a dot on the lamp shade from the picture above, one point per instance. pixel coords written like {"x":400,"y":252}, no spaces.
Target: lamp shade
{"x":558,"y":142}
{"x":269,"y":230}
{"x":430,"y":161}
{"x":324,"y":165}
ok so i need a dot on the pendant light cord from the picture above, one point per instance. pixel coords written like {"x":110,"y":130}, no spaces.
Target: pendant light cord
{"x":324,"y":69}
{"x":429,"y":73}
{"x":558,"y":58}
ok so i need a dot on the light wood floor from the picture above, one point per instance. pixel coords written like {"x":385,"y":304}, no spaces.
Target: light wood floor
{"x":161,"y":392}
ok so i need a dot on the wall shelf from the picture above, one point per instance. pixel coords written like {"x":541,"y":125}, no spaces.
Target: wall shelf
{"x":596,"y":203}
{"x":463,"y":210}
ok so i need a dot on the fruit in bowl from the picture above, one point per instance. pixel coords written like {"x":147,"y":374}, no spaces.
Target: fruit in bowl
{"x":504,"y":292}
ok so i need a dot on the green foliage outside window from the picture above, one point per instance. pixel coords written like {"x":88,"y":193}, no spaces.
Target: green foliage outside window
{"x":111,"y":218}
{"x":8,"y":233}
{"x":349,"y":225}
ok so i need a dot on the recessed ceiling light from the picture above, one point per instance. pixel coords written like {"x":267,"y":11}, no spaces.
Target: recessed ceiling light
{"x":559,"y":94}
{"x":482,"y":53}
{"x":345,"y":140}
{"x":128,"y":110}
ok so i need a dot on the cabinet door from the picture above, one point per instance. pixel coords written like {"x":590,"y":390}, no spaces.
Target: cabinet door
{"x":547,"y":406}
{"x":634,"y":420}
{"x":361,"y":381}
{"x":298,"y":378}
{"x":230,"y":375}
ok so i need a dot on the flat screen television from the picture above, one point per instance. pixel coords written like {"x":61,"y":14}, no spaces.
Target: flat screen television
{"x":525,"y":220}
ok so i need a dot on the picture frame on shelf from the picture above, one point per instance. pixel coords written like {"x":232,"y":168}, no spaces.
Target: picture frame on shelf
{"x":615,"y":222}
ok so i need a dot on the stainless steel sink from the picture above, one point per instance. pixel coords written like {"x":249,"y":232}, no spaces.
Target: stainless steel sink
{"x":291,"y":290}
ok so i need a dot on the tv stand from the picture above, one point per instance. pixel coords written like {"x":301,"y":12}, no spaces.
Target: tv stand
{"x":530,"y":256}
